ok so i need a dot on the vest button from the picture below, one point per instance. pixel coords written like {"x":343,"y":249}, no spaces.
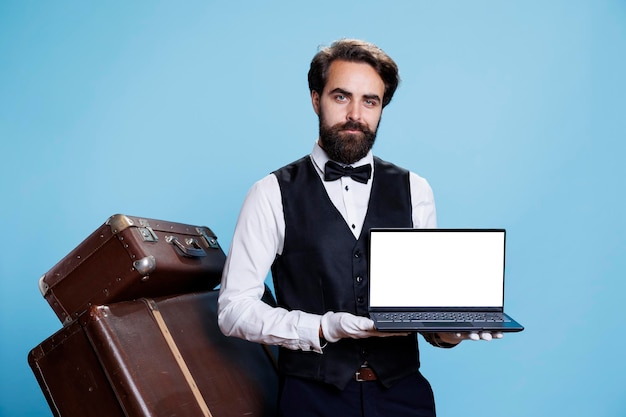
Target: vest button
{"x":357,"y":254}
{"x":359,"y":279}
{"x":360,"y":300}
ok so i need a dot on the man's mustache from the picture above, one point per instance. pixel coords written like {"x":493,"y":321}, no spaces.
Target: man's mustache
{"x":354,"y":126}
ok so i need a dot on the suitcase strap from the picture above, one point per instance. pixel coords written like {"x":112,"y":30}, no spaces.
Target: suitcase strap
{"x":158,"y":317}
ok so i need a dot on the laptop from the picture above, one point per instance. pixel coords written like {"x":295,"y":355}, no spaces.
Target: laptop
{"x":438,"y":280}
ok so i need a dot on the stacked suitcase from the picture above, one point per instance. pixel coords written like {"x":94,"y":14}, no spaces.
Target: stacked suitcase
{"x":138,"y":304}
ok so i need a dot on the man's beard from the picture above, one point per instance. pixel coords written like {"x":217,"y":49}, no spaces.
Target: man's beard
{"x":344,"y":147}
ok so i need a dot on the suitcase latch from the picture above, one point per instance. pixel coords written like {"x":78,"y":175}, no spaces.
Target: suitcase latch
{"x":211,"y":241}
{"x":147,"y":234}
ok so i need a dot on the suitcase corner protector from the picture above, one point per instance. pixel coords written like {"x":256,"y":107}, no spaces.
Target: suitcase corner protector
{"x":119,"y":222}
{"x":43,"y":287}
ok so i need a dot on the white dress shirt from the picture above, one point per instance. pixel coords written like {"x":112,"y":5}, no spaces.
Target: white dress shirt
{"x":259,"y":237}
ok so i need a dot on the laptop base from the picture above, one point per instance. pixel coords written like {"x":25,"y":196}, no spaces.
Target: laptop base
{"x":395,"y":325}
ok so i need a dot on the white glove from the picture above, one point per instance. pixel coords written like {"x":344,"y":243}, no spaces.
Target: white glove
{"x":480,"y":336}
{"x":336,"y":326}
{"x":460,"y":336}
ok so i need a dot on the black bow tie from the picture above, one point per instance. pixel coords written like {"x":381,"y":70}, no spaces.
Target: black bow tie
{"x":333,"y":171}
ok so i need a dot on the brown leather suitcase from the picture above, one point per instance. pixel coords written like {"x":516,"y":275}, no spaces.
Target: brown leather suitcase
{"x":71,"y":376}
{"x":154,"y":357}
{"x":130,"y":257}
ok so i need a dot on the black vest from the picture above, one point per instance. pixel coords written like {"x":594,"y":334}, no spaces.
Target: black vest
{"x":324,"y":268}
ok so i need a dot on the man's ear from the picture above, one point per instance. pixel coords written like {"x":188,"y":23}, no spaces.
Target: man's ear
{"x":315,"y":100}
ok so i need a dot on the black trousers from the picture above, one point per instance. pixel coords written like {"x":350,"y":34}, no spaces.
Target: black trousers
{"x":410,"y":397}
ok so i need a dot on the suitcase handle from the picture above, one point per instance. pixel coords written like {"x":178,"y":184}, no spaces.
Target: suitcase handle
{"x":192,"y":251}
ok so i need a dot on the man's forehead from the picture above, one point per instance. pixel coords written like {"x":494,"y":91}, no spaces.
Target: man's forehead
{"x":354,"y":77}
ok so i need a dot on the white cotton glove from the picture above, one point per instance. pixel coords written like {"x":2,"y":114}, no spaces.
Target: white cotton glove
{"x":336,"y":326}
{"x":460,"y":336}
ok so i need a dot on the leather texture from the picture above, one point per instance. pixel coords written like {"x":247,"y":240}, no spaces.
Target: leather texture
{"x":131,"y":257}
{"x":116,"y":360}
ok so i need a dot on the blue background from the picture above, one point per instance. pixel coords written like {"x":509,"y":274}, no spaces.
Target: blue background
{"x":513,"y":110}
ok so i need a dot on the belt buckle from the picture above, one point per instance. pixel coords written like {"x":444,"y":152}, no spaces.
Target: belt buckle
{"x":357,"y":374}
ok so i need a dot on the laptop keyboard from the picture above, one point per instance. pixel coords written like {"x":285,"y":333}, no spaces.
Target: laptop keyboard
{"x":445,"y":316}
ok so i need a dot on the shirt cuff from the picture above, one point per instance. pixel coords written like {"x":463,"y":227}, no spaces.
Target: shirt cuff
{"x":309,"y":332}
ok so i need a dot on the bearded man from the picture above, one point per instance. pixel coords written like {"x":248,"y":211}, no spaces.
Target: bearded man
{"x":308,"y":223}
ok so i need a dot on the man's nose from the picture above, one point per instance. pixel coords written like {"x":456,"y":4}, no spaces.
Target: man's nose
{"x":354,"y":112}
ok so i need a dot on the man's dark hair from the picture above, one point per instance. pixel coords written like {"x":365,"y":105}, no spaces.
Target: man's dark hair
{"x":353,"y":50}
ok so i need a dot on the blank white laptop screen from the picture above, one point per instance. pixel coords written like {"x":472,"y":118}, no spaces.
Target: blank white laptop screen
{"x":437,"y":268}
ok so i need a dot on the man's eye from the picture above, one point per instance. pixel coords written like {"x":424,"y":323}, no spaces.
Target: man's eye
{"x":340,"y":97}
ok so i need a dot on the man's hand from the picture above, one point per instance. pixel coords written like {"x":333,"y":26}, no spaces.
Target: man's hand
{"x":336,"y":326}
{"x":458,"y":337}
